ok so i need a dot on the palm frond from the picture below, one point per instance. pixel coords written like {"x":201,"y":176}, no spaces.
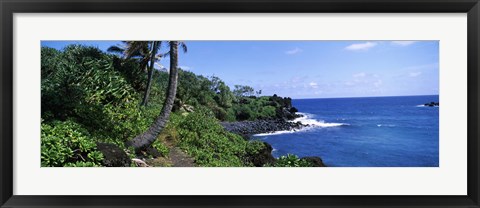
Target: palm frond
{"x":116,"y":49}
{"x":184,"y":46}
{"x":135,"y":48}
{"x":162,"y":55}
{"x":181,"y":44}
{"x":159,"y":45}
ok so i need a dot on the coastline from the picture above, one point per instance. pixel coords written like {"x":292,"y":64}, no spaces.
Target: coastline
{"x":247,"y":129}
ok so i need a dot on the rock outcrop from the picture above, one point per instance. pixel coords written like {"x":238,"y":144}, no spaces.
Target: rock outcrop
{"x":113,"y":155}
{"x":249,"y":128}
{"x":262,"y":157}
{"x":432,"y":104}
{"x":285,"y":109}
{"x":315,"y":161}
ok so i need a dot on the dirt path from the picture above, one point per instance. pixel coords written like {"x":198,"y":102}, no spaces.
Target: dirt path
{"x":179,"y":158}
{"x":176,"y":157}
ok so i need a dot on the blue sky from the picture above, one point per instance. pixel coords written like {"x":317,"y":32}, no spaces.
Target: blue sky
{"x":312,"y":69}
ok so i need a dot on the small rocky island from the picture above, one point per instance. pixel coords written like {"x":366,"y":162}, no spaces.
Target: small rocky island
{"x":432,"y":104}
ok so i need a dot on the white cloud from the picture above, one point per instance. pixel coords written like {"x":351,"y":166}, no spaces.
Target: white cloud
{"x":349,"y":83}
{"x":318,"y":92}
{"x":298,"y":79}
{"x":313,"y":85}
{"x":403,"y":43}
{"x":361,"y":74}
{"x":377,"y":83}
{"x":414,"y":74}
{"x":361,"y":46}
{"x":363,"y":81}
{"x":293,"y":51}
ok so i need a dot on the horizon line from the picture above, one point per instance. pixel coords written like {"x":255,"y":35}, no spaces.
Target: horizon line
{"x":364,"y":97}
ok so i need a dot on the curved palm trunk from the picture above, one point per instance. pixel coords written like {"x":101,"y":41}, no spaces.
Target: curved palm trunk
{"x":150,"y":74}
{"x":147,"y":138}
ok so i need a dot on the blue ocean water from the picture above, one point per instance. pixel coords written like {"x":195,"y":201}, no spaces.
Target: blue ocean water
{"x":364,"y":132}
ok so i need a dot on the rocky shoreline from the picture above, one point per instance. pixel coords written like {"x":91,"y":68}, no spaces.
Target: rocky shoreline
{"x":246,"y":129}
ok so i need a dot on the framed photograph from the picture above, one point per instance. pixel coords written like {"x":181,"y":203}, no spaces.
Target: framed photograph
{"x":239,"y":104}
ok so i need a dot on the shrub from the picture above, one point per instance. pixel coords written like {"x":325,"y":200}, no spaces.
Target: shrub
{"x":82,"y":164}
{"x":219,"y":112}
{"x":244,"y":112}
{"x":109,"y":109}
{"x":291,"y":161}
{"x":131,"y":71}
{"x":202,"y":137}
{"x":84,"y":85}
{"x":67,"y":144}
{"x":267,"y":112}
{"x":254,"y":146}
{"x":160,"y":147}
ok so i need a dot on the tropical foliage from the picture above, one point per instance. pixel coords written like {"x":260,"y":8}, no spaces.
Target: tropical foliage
{"x":89,"y":96}
{"x":68,"y":144}
{"x":291,"y":161}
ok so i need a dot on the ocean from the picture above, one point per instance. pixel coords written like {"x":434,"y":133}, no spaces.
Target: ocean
{"x":364,"y":132}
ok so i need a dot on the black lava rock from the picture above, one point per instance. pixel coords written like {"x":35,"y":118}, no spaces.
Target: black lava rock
{"x":293,"y":110}
{"x":262,"y":157}
{"x":248,"y":128}
{"x":315,"y":161}
{"x":432,"y":104}
{"x":113,"y":155}
{"x":153,"y":152}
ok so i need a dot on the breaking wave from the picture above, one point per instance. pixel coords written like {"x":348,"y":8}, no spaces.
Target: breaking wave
{"x":277,"y":132}
{"x":426,"y":106}
{"x":306,"y":119}
{"x":386,"y":125}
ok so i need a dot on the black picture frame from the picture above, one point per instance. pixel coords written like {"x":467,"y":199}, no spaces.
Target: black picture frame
{"x":9,"y":7}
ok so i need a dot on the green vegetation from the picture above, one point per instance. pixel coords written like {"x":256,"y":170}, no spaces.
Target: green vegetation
{"x":83,"y":90}
{"x":68,"y":144}
{"x":291,"y":161}
{"x":160,"y":147}
{"x":205,"y":139}
{"x":237,"y":105}
{"x":89,"y":96}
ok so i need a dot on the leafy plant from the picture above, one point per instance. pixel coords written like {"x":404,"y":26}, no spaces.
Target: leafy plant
{"x":291,"y":161}
{"x":254,"y":146}
{"x":202,"y":137}
{"x":66,"y":144}
{"x":161,"y":147}
{"x":89,"y":96}
{"x":82,"y":164}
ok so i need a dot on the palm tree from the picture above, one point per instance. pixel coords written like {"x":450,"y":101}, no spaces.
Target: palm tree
{"x":138,"y":50}
{"x":155,"y":46}
{"x":145,"y":139}
{"x":146,"y":53}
